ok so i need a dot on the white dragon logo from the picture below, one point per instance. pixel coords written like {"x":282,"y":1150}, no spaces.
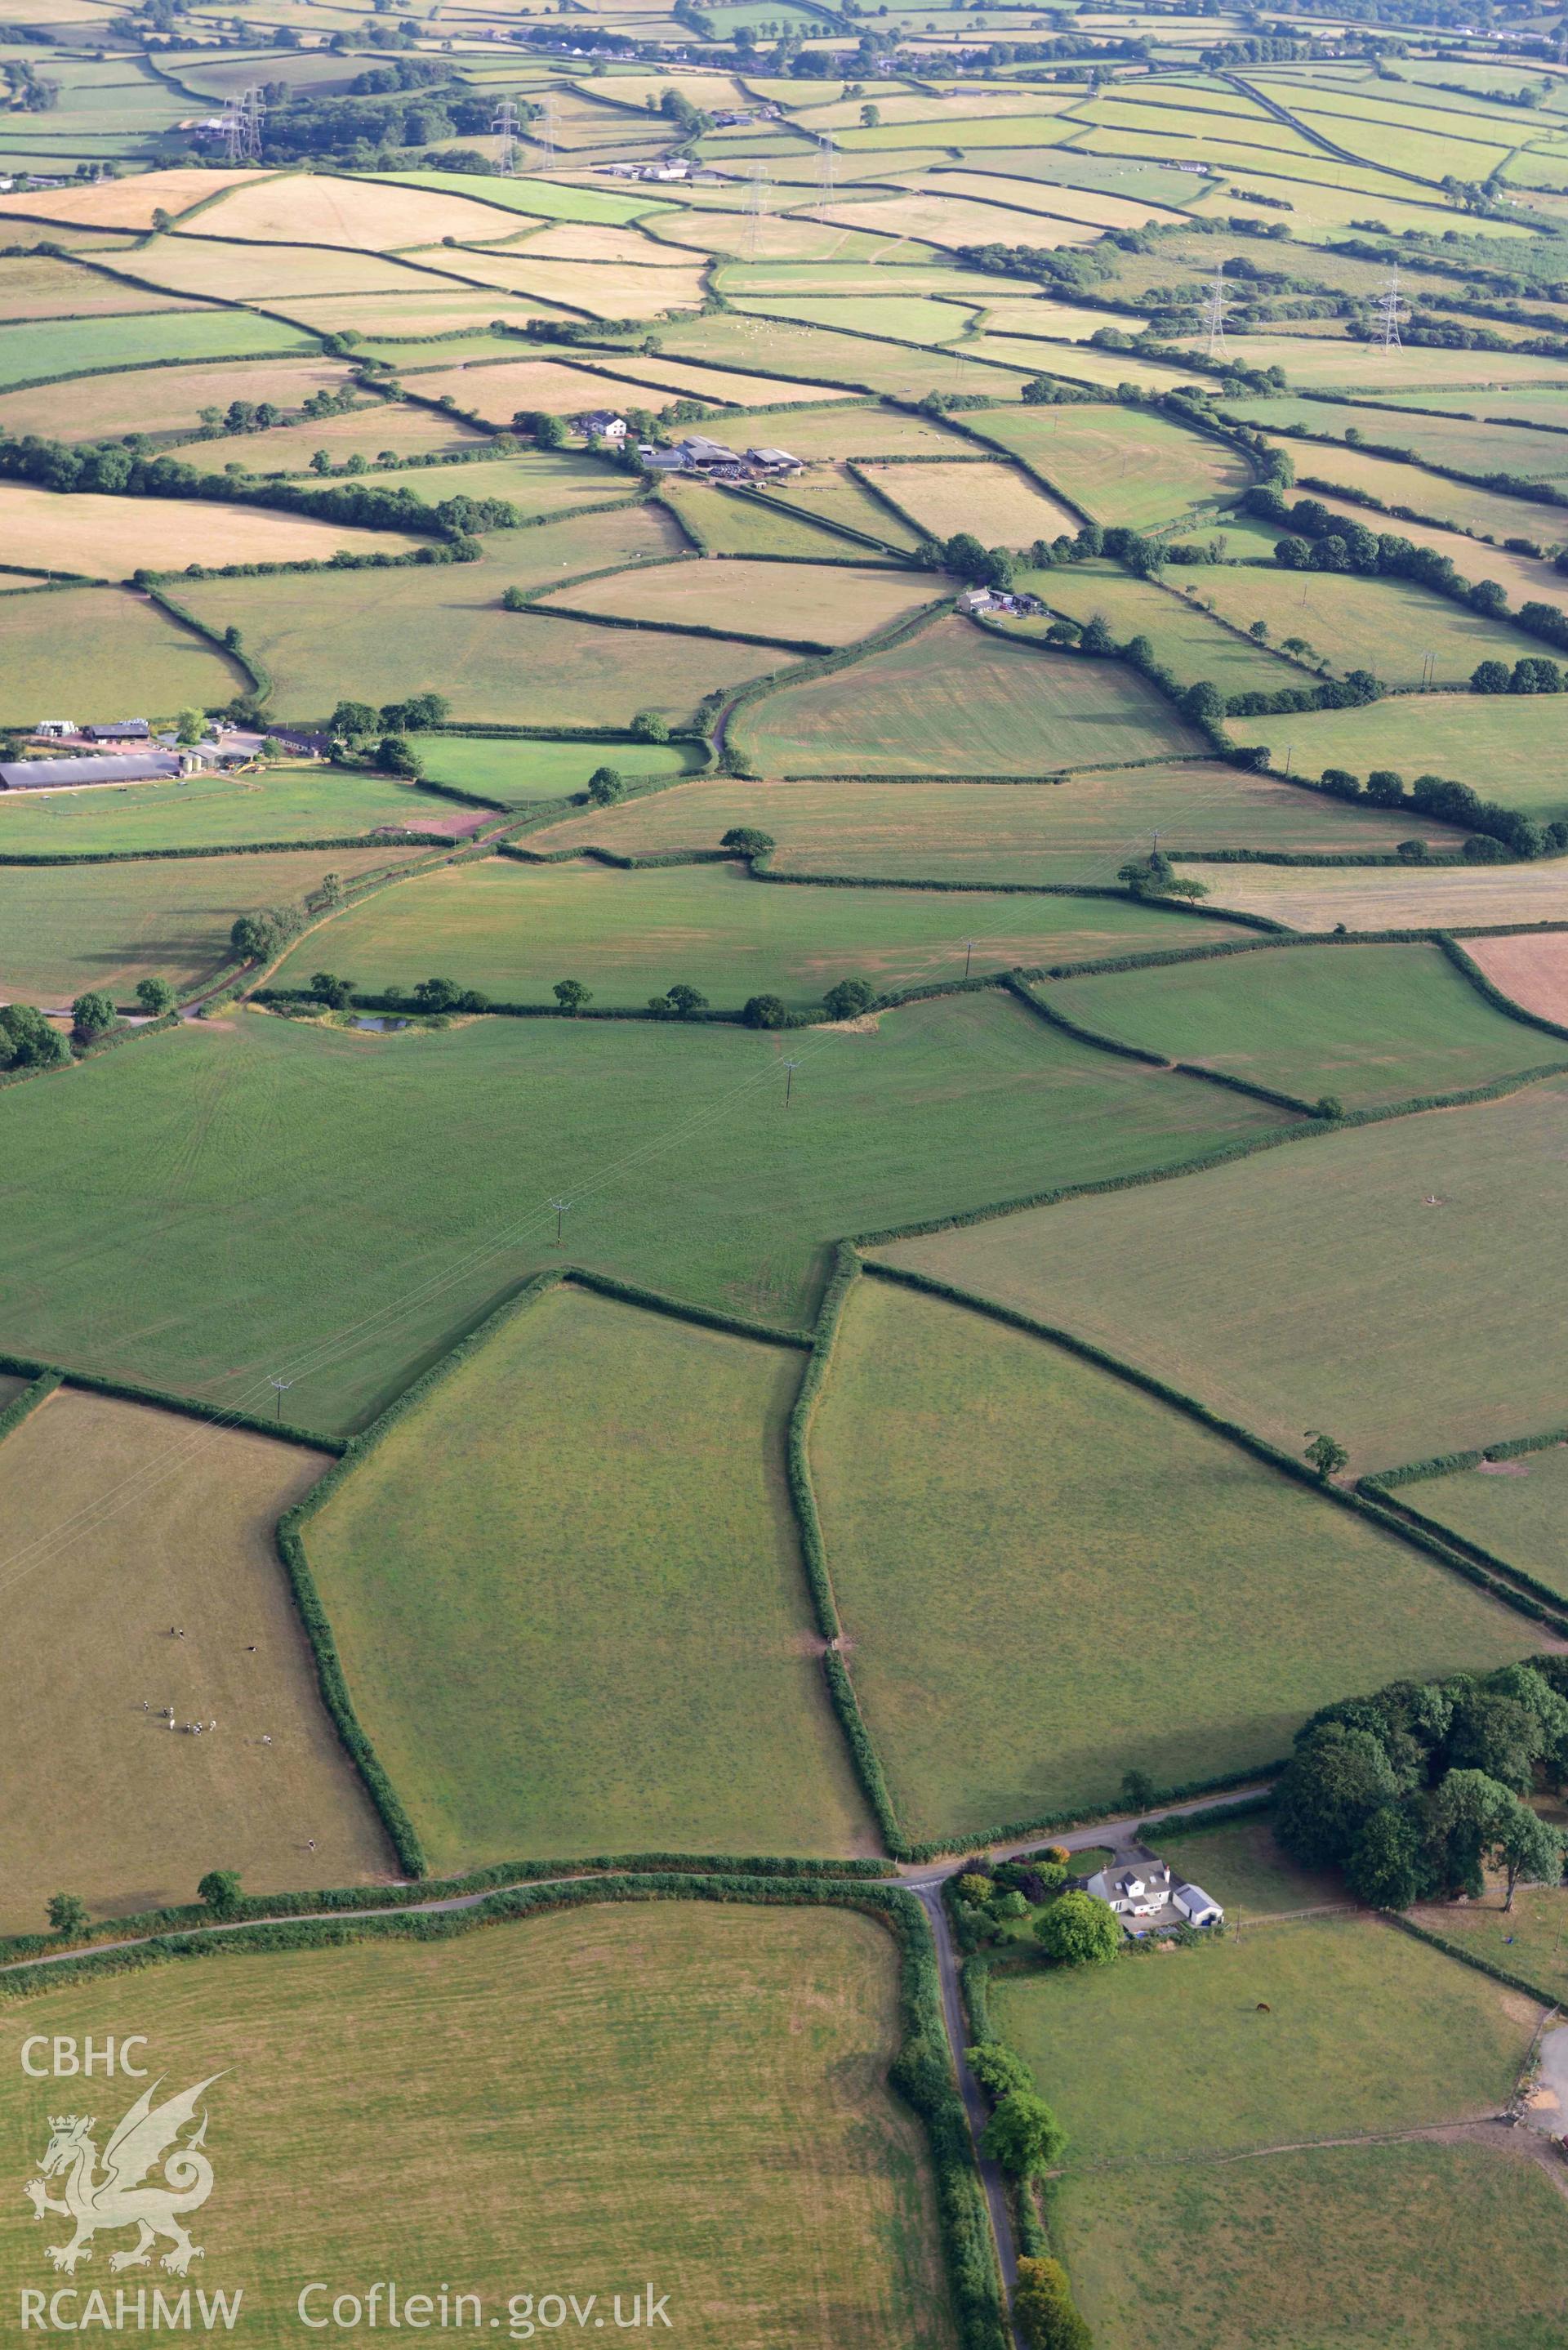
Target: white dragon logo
{"x":145,"y":2137}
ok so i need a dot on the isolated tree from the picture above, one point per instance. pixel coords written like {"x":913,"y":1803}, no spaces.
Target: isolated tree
{"x":606,"y":786}
{"x":68,"y":1913}
{"x":1079,"y":1931}
{"x":571,"y":995}
{"x":1044,"y":2308}
{"x":1327,"y":1455}
{"x":849,"y":999}
{"x":1023,"y":2134}
{"x":327,"y":988}
{"x":220,"y":1890}
{"x":93,"y":1014}
{"x":1260,"y":631}
{"x":513,"y":600}
{"x":684,"y":1000}
{"x":743,"y":840}
{"x":155,"y":996}
{"x":870,"y":118}
{"x":549,"y":432}
{"x":648,"y":727}
{"x":998,"y":2069}
{"x":766,"y":1012}
{"x":190,"y":727}
{"x":1137,"y":1790}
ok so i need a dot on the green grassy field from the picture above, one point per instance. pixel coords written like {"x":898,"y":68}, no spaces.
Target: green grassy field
{"x":671,"y":1143}
{"x":1508,"y":748}
{"x":1245,"y":1870}
{"x":1368,"y":1024}
{"x":1010,"y":1532}
{"x":1468,"y":442}
{"x":542,"y":482}
{"x":758,"y":526}
{"x":826,"y":604}
{"x":1367,"y":2030}
{"x":56,"y":347}
{"x":289,"y":802}
{"x":1316,"y":1287}
{"x":316,"y":632}
{"x":101,"y":1499}
{"x":587,"y":1529}
{"x":517,"y":772}
{"x":1517,"y":1510}
{"x":94,"y":651}
{"x":680,"y":2061}
{"x":1079,"y":829}
{"x":1185,"y":641}
{"x":954,"y":700}
{"x":512,"y":930}
{"x":1119,"y":464}
{"x":1388,"y":626}
{"x":65,"y":927}
{"x":1336,"y":2246}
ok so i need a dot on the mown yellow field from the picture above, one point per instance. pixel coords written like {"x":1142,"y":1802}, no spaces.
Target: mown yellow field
{"x":34,"y":285}
{"x":109,"y":538}
{"x":953,"y":220}
{"x":376,"y":215}
{"x":607,"y":289}
{"x":1086,"y":205}
{"x":1393,"y":898}
{"x":259,"y":273}
{"x":596,"y":241}
{"x":125,"y":203}
{"x":119,"y":1523}
{"x":1000,"y":504}
{"x":832,"y":605}
{"x":161,"y":399}
{"x":516,"y":387}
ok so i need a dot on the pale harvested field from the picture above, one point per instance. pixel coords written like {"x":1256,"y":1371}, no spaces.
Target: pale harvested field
{"x":611,"y":290}
{"x":1060,"y":321}
{"x":1311,"y":360}
{"x":120,"y":1522}
{"x":109,"y":537}
{"x":1523,"y":579}
{"x":873,"y":432}
{"x":1393,"y":897}
{"x":715,"y":384}
{"x":591,"y":241}
{"x":1085,"y":204}
{"x":161,"y":400}
{"x":831,"y":605}
{"x":953,"y":220}
{"x":375,"y":215}
{"x":1459,"y":503}
{"x":35,"y":285}
{"x":1078,"y":830}
{"x":515,"y":387}
{"x":396,"y":317}
{"x":1001,"y":505}
{"x":389,"y":425}
{"x":1533,"y":973}
{"x":251,"y":273}
{"x":125,"y":203}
